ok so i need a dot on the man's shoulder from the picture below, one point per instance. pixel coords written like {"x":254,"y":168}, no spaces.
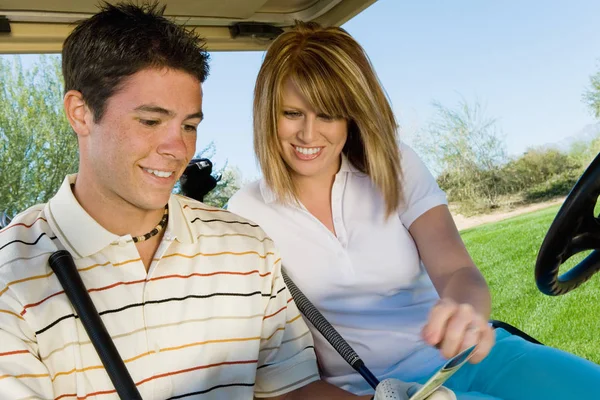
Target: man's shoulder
{"x":25,"y":225}
{"x":216,"y":219}
{"x":26,"y":243}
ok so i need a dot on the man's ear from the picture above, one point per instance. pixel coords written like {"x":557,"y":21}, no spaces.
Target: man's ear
{"x":78,"y":113}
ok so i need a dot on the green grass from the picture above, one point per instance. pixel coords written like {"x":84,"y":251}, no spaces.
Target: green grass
{"x":506,"y":252}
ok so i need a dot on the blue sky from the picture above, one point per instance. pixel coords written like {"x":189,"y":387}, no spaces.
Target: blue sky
{"x":528,"y":62}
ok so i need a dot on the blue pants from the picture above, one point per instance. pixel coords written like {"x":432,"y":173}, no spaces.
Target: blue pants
{"x":519,"y":370}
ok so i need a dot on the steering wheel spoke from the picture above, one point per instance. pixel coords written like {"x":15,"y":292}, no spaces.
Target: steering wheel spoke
{"x":575,"y":229}
{"x":587,"y":238}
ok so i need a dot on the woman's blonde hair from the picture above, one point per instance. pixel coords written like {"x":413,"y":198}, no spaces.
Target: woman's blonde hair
{"x":334,"y":74}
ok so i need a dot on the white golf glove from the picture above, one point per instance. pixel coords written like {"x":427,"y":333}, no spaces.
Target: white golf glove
{"x":394,"y":389}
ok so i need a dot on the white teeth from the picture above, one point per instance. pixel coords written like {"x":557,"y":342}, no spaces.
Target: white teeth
{"x":307,"y":151}
{"x":161,"y":174}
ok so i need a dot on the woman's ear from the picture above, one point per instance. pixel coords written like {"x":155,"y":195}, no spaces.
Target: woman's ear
{"x":78,"y":113}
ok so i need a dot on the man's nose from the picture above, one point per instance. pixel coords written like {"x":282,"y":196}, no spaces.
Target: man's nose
{"x":173,"y":143}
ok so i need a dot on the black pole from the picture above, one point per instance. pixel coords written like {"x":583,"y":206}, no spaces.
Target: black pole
{"x":329,"y":332}
{"x":64,"y":267}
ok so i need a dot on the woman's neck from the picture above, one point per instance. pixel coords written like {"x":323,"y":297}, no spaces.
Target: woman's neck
{"x":314,"y":186}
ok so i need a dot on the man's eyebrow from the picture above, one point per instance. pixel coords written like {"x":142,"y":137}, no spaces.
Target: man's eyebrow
{"x":154,"y":109}
{"x":160,"y":110}
{"x":199,"y":115}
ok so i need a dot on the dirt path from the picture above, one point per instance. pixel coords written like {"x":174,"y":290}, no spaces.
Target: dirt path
{"x":463,"y":222}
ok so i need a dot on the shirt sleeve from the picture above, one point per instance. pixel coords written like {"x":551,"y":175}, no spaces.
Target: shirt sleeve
{"x":421,"y":191}
{"x":22,"y":373}
{"x":287,"y":359}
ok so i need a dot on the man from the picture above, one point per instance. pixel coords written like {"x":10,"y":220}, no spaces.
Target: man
{"x":192,"y":296}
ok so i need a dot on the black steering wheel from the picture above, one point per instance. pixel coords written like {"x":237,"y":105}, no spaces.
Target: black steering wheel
{"x":574,"y":229}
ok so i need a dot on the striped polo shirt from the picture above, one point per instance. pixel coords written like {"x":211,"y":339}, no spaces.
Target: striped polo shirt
{"x":211,"y":318}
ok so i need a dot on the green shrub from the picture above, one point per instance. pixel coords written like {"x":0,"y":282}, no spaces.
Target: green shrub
{"x":537,"y":175}
{"x":539,"y":166}
{"x":557,"y":185}
{"x":583,"y":152}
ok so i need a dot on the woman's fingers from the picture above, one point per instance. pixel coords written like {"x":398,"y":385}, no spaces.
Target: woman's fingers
{"x":439,"y":316}
{"x":487,"y":339}
{"x":455,"y":327}
{"x":462,"y":326}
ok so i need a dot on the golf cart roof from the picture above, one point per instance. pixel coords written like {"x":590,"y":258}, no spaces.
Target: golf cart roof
{"x":40,"y":26}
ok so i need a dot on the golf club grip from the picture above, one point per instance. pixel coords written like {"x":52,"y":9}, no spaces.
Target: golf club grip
{"x":64,"y":267}
{"x":328,"y":331}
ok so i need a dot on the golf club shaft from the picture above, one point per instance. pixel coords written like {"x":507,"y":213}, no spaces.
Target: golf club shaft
{"x":329,"y":332}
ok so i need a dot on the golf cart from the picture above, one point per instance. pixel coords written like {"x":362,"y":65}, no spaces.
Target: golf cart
{"x":40,"y":26}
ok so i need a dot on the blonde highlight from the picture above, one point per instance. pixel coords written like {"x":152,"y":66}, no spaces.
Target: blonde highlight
{"x":335,"y":75}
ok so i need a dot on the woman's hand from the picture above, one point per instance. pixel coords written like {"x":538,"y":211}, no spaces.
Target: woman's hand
{"x":453,"y":327}
{"x":459,"y":320}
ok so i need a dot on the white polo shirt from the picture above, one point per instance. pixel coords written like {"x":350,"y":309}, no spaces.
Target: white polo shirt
{"x":211,"y":319}
{"x":368,"y":281}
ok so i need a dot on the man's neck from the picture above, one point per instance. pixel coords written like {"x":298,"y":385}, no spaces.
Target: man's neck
{"x":117,"y":215}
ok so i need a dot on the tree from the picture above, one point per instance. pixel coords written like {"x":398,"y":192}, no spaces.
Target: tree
{"x":592,"y":95}
{"x":230,"y":180}
{"x":466,"y":151}
{"x":37,"y":145}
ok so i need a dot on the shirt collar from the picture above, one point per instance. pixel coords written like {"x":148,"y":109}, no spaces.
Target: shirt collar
{"x":347,"y":166}
{"x":82,"y":236}
{"x":269,"y":196}
{"x":180,"y":226}
{"x":266,"y":192}
{"x":79,"y":233}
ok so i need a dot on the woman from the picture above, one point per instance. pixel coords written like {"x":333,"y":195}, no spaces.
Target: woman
{"x":365,"y":232}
